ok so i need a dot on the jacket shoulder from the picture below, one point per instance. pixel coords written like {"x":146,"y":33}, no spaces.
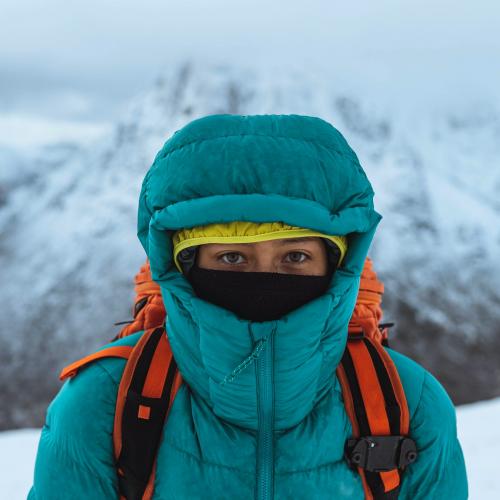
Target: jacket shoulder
{"x":424,"y":393}
{"x":412,"y":377}
{"x":114,"y":366}
{"x":439,"y":471}
{"x":77,"y":438}
{"x":84,"y":407}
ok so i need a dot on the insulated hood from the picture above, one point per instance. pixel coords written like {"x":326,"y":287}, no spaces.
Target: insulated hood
{"x":261,"y":168}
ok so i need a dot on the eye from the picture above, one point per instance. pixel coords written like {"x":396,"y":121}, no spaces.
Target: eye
{"x":231,"y":258}
{"x":296,"y":257}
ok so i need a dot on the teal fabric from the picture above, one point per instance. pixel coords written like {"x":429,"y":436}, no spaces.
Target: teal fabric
{"x":261,"y":414}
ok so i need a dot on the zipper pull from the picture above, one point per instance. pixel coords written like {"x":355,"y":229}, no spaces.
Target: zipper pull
{"x":258,"y":347}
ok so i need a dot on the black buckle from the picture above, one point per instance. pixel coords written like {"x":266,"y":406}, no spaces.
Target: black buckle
{"x":385,"y":325}
{"x":380,"y":453}
{"x":139,"y":305}
{"x":356,"y":335}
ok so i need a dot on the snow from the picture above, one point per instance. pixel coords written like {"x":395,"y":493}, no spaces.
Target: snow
{"x":478,"y":433}
{"x":17,"y":461}
{"x":479,"y":436}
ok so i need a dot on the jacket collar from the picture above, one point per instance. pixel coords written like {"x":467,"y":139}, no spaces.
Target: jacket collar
{"x":216,"y":351}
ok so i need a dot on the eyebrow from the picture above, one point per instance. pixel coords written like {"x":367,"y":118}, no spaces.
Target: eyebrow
{"x":294,"y":240}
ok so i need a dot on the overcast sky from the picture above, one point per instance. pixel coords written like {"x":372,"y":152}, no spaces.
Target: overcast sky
{"x":84,"y":60}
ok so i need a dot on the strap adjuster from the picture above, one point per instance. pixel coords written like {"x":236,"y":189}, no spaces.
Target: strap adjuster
{"x":352,"y":336}
{"x":380,"y":453}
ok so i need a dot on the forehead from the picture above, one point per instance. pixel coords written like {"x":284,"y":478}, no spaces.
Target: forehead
{"x":277,"y":243}
{"x":285,"y":241}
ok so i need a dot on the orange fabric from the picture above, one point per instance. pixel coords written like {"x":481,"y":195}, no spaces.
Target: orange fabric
{"x":366,"y":317}
{"x":349,"y":407}
{"x":158,"y":368}
{"x":144,"y":412}
{"x":123,"y":389}
{"x":371,"y":392}
{"x":152,"y":314}
{"x":116,"y":352}
{"x":390,"y":479}
{"x":367,"y":312}
{"x":348,"y":402}
{"x":153,"y":387}
{"x":397,"y":387}
{"x":374,"y":402}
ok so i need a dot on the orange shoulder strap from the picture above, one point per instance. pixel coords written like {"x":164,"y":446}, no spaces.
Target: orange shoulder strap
{"x":148,"y":386}
{"x":147,"y":390}
{"x":375,"y":402}
{"x":377,"y":408}
{"x":113,"y":351}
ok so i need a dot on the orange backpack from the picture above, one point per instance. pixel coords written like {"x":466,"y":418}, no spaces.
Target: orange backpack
{"x":380,"y":448}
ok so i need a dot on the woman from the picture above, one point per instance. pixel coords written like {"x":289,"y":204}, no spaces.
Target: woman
{"x":257,"y":322}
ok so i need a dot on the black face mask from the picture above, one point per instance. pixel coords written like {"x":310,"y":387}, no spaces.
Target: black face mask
{"x":257,"y":296}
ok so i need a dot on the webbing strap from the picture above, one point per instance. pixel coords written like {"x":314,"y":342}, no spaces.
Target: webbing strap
{"x":147,"y":390}
{"x":114,"y":351}
{"x":376,"y":405}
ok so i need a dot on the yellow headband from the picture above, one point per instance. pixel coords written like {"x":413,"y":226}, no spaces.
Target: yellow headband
{"x":245,"y":232}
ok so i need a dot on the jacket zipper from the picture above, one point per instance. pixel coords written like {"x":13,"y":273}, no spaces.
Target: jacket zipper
{"x":265,"y":440}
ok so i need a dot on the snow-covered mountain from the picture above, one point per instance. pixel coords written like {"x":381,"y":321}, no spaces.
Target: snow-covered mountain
{"x":69,"y":251}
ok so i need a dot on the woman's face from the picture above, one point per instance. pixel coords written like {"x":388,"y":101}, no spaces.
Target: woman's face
{"x":286,"y":255}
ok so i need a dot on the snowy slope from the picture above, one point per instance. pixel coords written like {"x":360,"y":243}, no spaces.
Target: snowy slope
{"x":478,"y":433}
{"x":17,"y":460}
{"x":69,"y":251}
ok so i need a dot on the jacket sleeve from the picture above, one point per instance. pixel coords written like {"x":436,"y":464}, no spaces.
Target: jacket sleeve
{"x":439,"y":471}
{"x":75,"y":453}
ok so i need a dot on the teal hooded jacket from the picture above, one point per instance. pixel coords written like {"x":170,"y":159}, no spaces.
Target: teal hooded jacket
{"x":276,"y":427}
